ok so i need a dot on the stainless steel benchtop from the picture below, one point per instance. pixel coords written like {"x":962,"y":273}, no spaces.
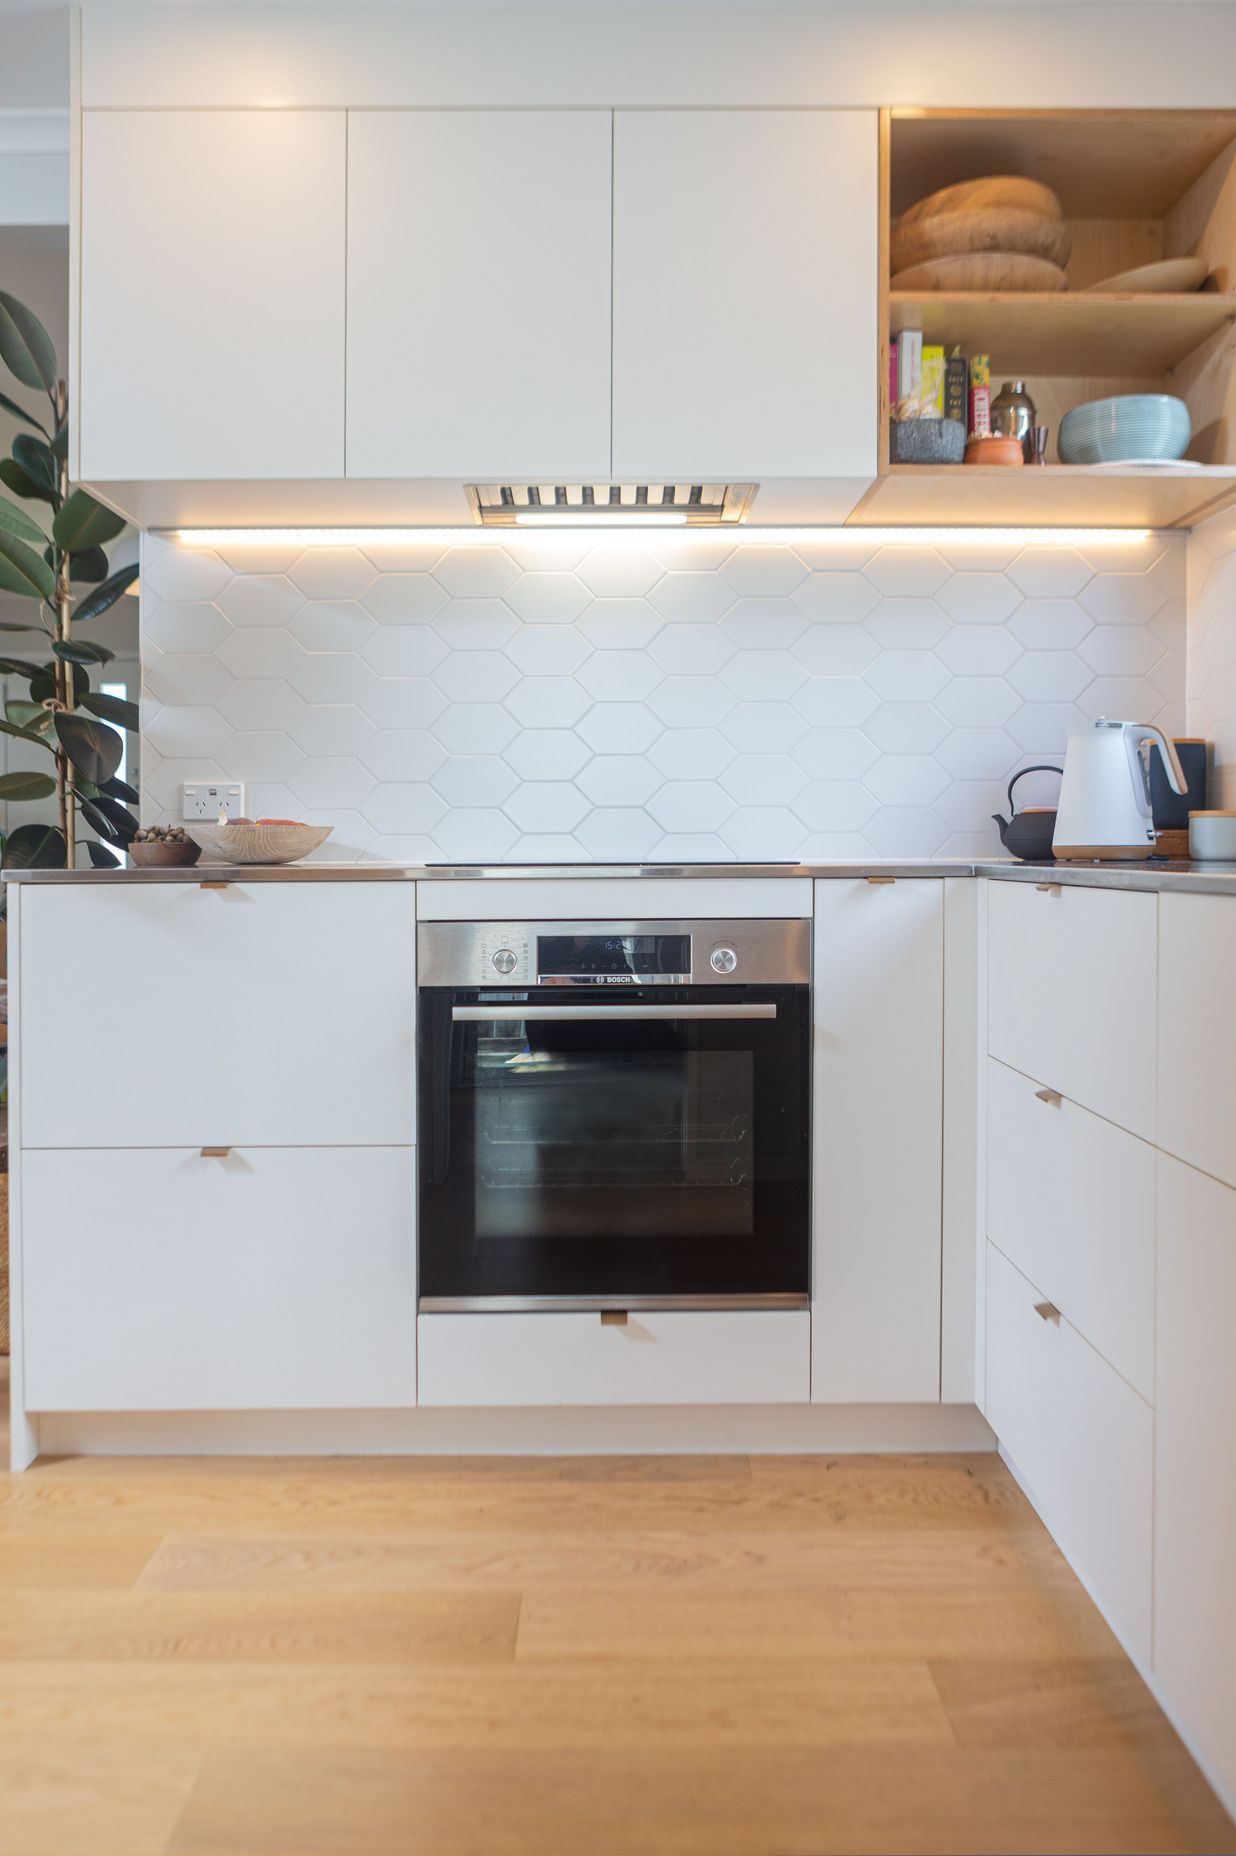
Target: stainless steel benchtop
{"x":1202,"y":879}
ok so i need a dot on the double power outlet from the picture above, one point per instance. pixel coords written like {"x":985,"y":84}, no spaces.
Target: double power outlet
{"x":202,"y":800}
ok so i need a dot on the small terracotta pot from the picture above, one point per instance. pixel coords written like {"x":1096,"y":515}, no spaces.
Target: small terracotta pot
{"x":995,"y":451}
{"x":152,"y":854}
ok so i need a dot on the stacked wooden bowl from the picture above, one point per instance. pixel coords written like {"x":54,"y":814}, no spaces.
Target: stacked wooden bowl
{"x":1001,"y":233}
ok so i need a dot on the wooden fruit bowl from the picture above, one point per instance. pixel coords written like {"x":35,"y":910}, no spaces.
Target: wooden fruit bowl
{"x":259,"y":844}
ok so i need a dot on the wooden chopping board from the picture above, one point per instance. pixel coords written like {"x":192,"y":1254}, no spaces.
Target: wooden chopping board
{"x":983,"y":270}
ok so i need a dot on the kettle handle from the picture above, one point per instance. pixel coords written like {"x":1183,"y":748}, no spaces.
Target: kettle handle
{"x":1017,"y":776}
{"x":1147,"y":732}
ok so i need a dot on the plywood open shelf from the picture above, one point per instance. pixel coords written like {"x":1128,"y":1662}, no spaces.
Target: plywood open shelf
{"x":1135,"y":186}
{"x":1069,"y":333}
{"x":1048,"y":496}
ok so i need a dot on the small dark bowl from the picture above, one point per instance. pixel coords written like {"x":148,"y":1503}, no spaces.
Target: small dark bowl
{"x":152,"y":855}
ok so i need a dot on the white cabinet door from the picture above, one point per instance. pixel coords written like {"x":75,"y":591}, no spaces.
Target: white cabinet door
{"x":745,"y":293}
{"x":262,"y":1014}
{"x":212,"y":294}
{"x":1071,"y":994}
{"x":877,"y":1130}
{"x":1197,"y":1031}
{"x":1083,"y":1440}
{"x":1070,"y":1201}
{"x":479,"y":294}
{"x":731,"y":1357}
{"x":1195,"y":1460}
{"x":272,"y":1279}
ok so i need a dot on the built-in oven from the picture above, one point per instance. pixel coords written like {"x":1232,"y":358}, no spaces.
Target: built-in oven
{"x":614,"y":1115}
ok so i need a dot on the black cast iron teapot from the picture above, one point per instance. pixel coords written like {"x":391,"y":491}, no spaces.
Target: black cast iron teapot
{"x":1028,"y":834}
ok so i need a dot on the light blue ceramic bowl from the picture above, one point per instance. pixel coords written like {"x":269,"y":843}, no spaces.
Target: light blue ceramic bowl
{"x":1133,"y":425}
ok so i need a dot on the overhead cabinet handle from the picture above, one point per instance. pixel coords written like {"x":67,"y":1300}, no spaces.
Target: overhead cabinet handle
{"x":600,"y":1014}
{"x":1051,"y":1096}
{"x":1047,"y":1311}
{"x":215,"y":1153}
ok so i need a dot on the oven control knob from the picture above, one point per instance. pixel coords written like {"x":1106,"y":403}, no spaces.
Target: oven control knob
{"x":723,"y":960}
{"x":504,"y":961}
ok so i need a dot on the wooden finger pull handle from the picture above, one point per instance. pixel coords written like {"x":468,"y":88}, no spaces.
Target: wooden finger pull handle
{"x":215,"y":1153}
{"x":881,"y":879}
{"x":1047,"y":1311}
{"x":614,"y":1317}
{"x":1049,"y":889}
{"x":214,"y":885}
{"x":1052,"y":1097}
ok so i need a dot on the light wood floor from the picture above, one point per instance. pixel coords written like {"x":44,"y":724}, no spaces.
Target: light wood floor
{"x":618,"y":1657}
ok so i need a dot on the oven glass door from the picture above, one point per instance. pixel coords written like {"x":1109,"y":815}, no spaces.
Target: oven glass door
{"x":647,"y":1142}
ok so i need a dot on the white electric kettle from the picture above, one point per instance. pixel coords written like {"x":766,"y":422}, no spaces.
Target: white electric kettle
{"x":1104,"y":805}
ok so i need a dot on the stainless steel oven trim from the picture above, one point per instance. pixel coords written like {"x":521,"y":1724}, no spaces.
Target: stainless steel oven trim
{"x":599,"y":1014}
{"x":771,"y":952}
{"x":598,"y":1304}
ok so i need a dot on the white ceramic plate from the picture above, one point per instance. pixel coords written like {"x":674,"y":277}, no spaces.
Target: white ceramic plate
{"x":1169,"y":277}
{"x":1149,"y":464}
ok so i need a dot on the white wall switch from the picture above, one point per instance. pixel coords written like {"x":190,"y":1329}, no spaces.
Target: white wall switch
{"x":201,"y":799}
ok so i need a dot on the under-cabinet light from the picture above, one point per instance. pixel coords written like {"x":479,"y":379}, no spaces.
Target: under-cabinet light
{"x":734,"y":536}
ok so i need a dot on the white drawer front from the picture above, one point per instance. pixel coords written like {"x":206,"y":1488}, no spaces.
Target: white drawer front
{"x":761,"y":1357}
{"x":276,"y":1014}
{"x":1070,"y":1201}
{"x":1195,"y":1462}
{"x":1071,"y":994}
{"x":1082,"y":1439}
{"x":1197,"y":1032}
{"x":273,"y":1279}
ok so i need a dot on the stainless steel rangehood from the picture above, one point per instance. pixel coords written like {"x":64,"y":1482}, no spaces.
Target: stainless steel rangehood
{"x":502,"y":505}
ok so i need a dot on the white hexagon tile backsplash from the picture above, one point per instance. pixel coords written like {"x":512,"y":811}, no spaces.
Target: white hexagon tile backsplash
{"x":569,"y":697}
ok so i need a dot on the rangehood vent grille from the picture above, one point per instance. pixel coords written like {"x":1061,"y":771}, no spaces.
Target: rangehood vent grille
{"x":500,"y":505}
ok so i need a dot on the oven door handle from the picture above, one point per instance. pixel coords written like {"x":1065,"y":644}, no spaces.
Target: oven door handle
{"x":597,"y":1014}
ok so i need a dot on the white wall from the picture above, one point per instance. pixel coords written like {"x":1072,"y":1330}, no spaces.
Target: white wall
{"x":1212,"y":648}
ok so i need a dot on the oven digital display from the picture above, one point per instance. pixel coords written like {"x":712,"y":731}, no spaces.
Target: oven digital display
{"x":607,"y":959}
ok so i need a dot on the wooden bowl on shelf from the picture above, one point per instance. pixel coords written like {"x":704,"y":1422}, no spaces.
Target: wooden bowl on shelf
{"x":995,"y":451}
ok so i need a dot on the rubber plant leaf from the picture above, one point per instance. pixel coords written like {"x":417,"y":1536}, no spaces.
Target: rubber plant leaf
{"x":25,"y":346}
{"x":94,"y":749}
{"x":26,"y":785}
{"x":22,"y":570}
{"x":38,"y":461}
{"x":18,"y":523}
{"x":34,"y":847}
{"x":111,"y":708}
{"x":83,"y":523}
{"x":106,"y":595}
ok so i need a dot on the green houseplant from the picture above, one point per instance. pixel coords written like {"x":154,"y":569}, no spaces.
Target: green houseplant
{"x":52,"y":552}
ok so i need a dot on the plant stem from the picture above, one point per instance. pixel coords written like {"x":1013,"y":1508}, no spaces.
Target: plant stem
{"x":65,"y":691}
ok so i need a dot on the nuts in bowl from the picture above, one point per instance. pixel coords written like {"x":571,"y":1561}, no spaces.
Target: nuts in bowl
{"x":163,"y":845}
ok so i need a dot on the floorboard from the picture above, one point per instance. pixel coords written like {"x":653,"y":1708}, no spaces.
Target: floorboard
{"x":791,"y":1656}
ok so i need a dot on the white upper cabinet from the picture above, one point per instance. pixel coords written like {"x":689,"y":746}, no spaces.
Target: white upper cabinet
{"x":479,"y":294}
{"x":745,"y":293}
{"x":212,"y":294}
